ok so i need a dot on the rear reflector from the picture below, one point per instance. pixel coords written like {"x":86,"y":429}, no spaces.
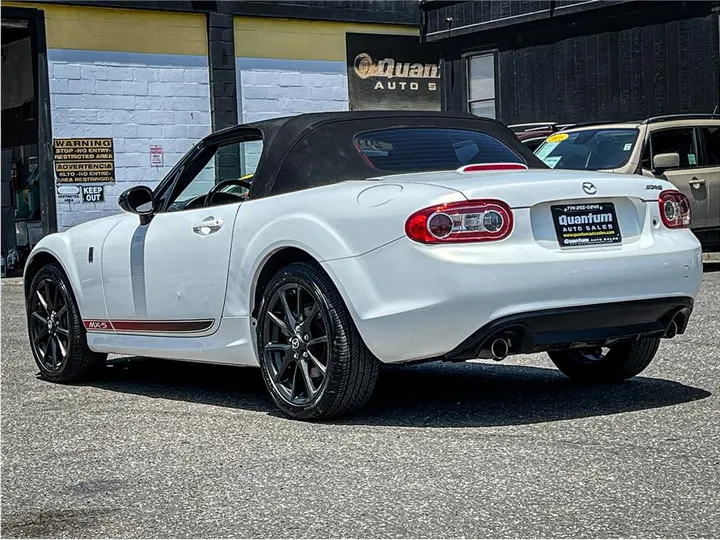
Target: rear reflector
{"x":477,"y":167}
{"x":479,"y":220}
{"x":674,"y":209}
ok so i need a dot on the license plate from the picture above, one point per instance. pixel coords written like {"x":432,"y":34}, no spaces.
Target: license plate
{"x":586,"y":224}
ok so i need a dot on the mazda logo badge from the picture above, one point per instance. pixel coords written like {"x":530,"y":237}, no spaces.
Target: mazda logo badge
{"x":589,"y":188}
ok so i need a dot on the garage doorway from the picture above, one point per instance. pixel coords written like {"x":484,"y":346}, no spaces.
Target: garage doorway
{"x":28,"y":195}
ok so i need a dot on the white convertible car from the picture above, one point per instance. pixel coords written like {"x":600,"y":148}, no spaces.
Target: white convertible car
{"x":368,"y":238}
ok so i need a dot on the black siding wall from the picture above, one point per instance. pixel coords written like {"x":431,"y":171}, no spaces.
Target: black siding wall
{"x":629,"y":74}
{"x":630,"y":65}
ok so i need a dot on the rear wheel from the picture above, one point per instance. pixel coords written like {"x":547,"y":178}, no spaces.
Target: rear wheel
{"x":57,"y":336}
{"x":313,"y":360}
{"x":607,"y":364}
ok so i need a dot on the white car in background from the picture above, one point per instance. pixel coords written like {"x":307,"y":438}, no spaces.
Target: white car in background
{"x":367,"y":238}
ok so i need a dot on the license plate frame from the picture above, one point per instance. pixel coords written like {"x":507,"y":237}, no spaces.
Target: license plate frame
{"x":583,"y":225}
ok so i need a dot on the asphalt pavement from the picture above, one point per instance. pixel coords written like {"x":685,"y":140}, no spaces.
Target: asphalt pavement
{"x":168,"y":449}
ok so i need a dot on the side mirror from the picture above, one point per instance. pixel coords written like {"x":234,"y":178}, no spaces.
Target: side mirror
{"x":138,"y":200}
{"x":662,"y":162}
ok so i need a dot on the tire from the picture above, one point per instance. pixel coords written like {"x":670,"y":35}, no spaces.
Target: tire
{"x":50,"y":289}
{"x":622,"y":361}
{"x":350,"y":370}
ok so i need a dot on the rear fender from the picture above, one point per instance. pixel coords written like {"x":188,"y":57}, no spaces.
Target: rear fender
{"x":303,"y":232}
{"x":328,"y":223}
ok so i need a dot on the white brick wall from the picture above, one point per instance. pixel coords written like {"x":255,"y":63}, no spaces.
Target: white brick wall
{"x":136,"y":99}
{"x":271,"y":88}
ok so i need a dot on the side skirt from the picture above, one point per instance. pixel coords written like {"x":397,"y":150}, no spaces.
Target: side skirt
{"x":230,"y":344}
{"x":166,"y":328}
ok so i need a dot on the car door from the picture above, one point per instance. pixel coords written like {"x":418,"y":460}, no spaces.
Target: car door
{"x":689,"y":177}
{"x":710,"y":163}
{"x":168,"y":277}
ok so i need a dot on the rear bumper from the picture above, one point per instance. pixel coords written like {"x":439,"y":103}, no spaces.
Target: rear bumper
{"x":576,"y":326}
{"x":412,"y":302}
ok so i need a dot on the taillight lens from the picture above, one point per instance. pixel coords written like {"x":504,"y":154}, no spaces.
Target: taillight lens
{"x":468,"y":221}
{"x":674,"y":209}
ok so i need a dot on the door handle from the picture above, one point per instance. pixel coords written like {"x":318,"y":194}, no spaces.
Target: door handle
{"x":696,"y":182}
{"x":208,"y":226}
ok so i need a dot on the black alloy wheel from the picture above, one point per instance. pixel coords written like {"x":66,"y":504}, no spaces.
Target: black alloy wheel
{"x":615,"y":363}
{"x":295,"y":338}
{"x":313,"y":361}
{"x":49,"y":324}
{"x":57,"y":335}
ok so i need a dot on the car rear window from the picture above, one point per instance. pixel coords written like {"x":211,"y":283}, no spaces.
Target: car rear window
{"x":431,"y":149}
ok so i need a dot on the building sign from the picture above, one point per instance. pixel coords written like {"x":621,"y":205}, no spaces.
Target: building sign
{"x":388,"y":72}
{"x":79,"y":161}
{"x":156,"y":155}
{"x":92,"y":193}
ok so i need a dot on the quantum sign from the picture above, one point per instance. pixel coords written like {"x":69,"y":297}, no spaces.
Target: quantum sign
{"x":390,"y":72}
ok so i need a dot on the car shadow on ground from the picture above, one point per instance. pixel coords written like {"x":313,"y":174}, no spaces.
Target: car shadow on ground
{"x":433,"y":395}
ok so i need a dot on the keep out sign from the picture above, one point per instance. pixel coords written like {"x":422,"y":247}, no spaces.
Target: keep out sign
{"x":92,"y":193}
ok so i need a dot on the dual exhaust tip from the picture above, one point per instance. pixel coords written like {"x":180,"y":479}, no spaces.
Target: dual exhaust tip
{"x":499,"y":348}
{"x":677,"y":324}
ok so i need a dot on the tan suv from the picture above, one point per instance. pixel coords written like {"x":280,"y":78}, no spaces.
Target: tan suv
{"x":684,"y":149}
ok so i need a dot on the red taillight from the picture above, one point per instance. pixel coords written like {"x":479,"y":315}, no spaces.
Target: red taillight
{"x":476,"y":167}
{"x":674,"y":209}
{"x":468,"y":221}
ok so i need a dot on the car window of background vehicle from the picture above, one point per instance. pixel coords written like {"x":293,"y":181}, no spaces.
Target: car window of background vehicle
{"x":711,"y":156}
{"x":592,"y":149}
{"x":680,"y":141}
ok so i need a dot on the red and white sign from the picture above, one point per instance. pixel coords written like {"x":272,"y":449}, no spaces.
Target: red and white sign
{"x":156,"y":155}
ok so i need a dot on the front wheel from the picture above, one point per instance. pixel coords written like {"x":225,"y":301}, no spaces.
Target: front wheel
{"x":57,"y":335}
{"x":314,"y":362}
{"x":607,"y":364}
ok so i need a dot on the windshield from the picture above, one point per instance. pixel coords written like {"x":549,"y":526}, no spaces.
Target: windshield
{"x":591,"y":149}
{"x":431,"y":149}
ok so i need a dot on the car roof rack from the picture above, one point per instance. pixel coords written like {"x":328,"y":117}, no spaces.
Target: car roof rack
{"x":692,"y":116}
{"x":533,"y":124}
{"x":585,"y":124}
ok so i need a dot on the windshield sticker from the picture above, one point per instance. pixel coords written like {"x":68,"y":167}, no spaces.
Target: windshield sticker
{"x":551,"y":161}
{"x":558,"y":137}
{"x":691,"y":159}
{"x":627,"y":147}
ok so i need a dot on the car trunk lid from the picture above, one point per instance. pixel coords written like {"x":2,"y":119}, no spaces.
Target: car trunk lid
{"x":559,"y":208}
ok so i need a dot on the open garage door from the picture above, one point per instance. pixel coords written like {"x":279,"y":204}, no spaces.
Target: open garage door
{"x":28,"y":197}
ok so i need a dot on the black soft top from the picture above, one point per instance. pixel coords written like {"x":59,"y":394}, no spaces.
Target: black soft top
{"x":311,"y":150}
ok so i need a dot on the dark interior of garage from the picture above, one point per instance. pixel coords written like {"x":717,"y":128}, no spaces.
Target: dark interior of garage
{"x":23,"y":220}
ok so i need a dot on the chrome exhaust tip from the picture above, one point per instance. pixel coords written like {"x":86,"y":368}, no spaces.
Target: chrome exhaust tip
{"x":499,"y":349}
{"x":671,"y":330}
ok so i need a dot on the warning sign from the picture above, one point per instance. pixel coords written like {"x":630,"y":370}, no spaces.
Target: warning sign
{"x":92,"y":193}
{"x":84,"y":160}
